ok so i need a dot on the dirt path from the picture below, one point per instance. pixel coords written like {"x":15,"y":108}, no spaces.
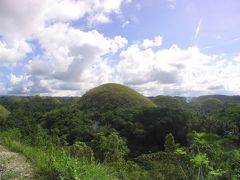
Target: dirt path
{"x":14,"y":166}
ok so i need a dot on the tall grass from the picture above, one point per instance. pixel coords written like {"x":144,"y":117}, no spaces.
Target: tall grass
{"x":53,"y":163}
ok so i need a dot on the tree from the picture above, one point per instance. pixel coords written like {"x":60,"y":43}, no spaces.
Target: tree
{"x":70,"y":121}
{"x":82,"y":151}
{"x":109,"y":149}
{"x":158,"y":122}
{"x":169,"y":145}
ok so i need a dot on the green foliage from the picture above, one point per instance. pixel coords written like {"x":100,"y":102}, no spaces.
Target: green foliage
{"x":30,"y":105}
{"x":157,"y":122}
{"x":211,"y":105}
{"x":4,"y":114}
{"x":82,"y":151}
{"x":169,"y":145}
{"x":10,"y":135}
{"x":223,"y":98}
{"x":207,"y":157}
{"x":208,"y":105}
{"x":54,"y":163}
{"x":11,"y":102}
{"x":69,"y":121}
{"x":115,"y":133}
{"x":145,"y":129}
{"x":200,"y":160}
{"x":111,"y":148}
{"x":40,"y":137}
{"x":42,"y":104}
{"x":211,"y":156}
{"x":170,"y":102}
{"x":111,"y":96}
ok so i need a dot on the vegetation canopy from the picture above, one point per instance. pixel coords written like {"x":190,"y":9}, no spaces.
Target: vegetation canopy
{"x":113,"y":132}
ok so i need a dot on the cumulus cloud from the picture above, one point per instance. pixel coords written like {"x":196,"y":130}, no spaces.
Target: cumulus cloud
{"x":72,"y":50}
{"x":101,"y":10}
{"x":172,"y":71}
{"x":19,"y":84}
{"x":29,"y":17}
{"x":70,"y":61}
{"x":19,"y":20}
{"x":147,"y":43}
{"x":237,"y":59}
{"x":12,"y":52}
{"x":76,"y":62}
{"x":22,"y":22}
{"x":73,"y":59}
{"x":39,"y":67}
{"x":177,"y":71}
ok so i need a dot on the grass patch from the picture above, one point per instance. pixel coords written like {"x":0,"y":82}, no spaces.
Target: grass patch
{"x":54,"y":163}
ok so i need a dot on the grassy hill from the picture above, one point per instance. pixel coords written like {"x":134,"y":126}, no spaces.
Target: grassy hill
{"x":111,"y":96}
{"x":223,"y":98}
{"x":169,"y":102}
{"x":3,"y":112}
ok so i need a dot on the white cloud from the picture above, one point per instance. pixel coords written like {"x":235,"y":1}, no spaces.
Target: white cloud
{"x":12,"y":52}
{"x":101,"y":10}
{"x":117,"y":43}
{"x":39,"y":67}
{"x":28,"y":20}
{"x":19,"y":84}
{"x":177,"y":71}
{"x":73,"y":59}
{"x":73,"y":50}
{"x":21,"y":20}
{"x":66,"y":10}
{"x":98,"y":19}
{"x":147,"y":43}
{"x":172,"y":71}
{"x":237,"y":59}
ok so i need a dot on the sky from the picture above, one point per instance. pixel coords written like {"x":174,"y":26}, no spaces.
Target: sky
{"x":157,"y":47}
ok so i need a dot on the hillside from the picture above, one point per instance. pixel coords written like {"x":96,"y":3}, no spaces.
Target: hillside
{"x":111,"y":96}
{"x":3,"y":113}
{"x":223,"y":98}
{"x":107,"y":139}
{"x":169,"y":101}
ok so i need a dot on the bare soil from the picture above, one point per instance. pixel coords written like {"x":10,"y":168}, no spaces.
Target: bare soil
{"x":14,"y":166}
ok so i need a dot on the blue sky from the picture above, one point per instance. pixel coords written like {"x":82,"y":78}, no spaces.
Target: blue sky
{"x":170,"y":47}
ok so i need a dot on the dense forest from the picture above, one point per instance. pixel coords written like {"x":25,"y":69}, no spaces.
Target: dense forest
{"x":114,"y":132}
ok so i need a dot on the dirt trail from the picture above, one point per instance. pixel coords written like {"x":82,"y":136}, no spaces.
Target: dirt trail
{"x":14,"y":166}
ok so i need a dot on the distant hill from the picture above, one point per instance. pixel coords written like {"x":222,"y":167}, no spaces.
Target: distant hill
{"x":223,"y":98}
{"x":3,"y":112}
{"x":211,"y":105}
{"x":169,"y":101}
{"x":67,"y":99}
{"x":111,"y":96}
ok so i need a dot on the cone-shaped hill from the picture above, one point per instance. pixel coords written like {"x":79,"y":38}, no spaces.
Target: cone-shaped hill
{"x":3,"y":112}
{"x":111,"y":96}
